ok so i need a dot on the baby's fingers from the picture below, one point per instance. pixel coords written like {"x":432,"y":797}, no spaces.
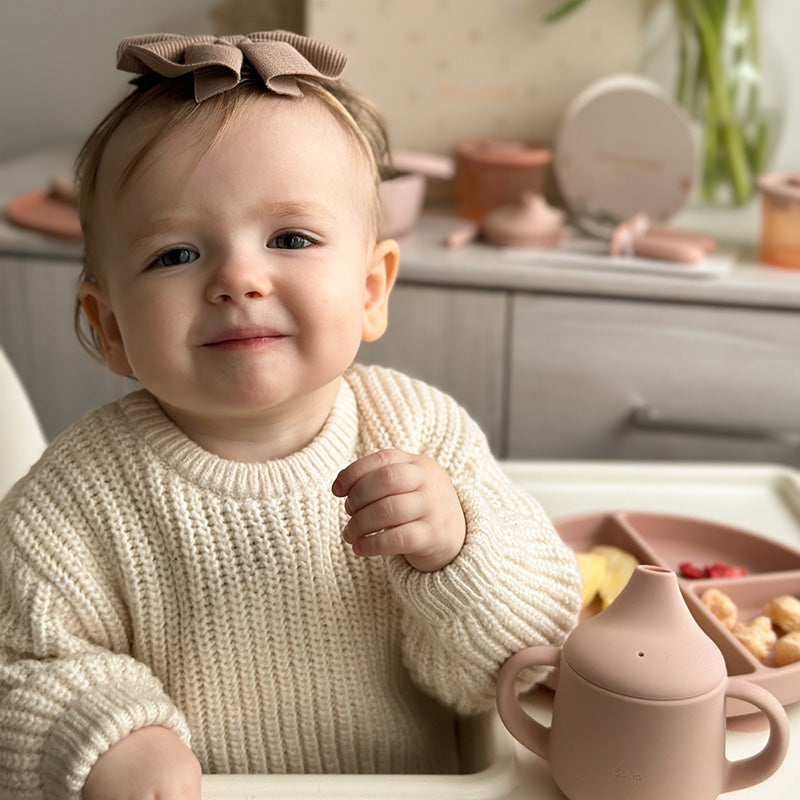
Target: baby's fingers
{"x":375,"y":476}
{"x":386,"y":512}
{"x":403,"y":539}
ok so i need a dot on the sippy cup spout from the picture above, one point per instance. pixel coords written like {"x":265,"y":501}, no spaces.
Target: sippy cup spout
{"x":647,"y":644}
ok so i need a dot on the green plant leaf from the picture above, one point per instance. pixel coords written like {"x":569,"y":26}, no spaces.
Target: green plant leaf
{"x":563,"y":11}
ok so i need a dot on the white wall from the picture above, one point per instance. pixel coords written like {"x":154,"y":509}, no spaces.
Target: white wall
{"x":58,"y":76}
{"x":454,"y":69}
{"x":781,"y":31}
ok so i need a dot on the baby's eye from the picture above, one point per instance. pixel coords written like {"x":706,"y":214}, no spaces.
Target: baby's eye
{"x":290,"y":241}
{"x":176,"y":257}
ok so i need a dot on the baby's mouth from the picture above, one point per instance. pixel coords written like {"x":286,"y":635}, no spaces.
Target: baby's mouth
{"x":245,"y":338}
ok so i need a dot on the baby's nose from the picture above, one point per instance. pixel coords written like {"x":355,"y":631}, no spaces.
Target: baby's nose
{"x":238,"y":280}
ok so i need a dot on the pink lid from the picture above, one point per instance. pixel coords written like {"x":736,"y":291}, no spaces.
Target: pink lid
{"x":781,"y":189}
{"x":624,"y":147}
{"x":529,"y":223}
{"x":646,"y":644}
{"x":503,"y":153}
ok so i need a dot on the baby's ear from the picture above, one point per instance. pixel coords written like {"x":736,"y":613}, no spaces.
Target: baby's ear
{"x":98,"y":311}
{"x":380,"y":279}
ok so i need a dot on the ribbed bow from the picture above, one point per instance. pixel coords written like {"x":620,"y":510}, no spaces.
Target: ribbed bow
{"x":279,"y":57}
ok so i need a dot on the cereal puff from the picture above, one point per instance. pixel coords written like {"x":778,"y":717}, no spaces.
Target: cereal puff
{"x":784,"y":611}
{"x":757,"y":636}
{"x":721,"y":606}
{"x":787,"y":649}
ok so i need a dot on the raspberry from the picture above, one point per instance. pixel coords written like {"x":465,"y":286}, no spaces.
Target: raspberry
{"x":720,"y":570}
{"x":689,"y":570}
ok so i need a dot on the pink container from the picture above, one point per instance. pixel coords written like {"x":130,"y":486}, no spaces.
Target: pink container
{"x":639,"y":710}
{"x":403,"y":195}
{"x":491,"y":173}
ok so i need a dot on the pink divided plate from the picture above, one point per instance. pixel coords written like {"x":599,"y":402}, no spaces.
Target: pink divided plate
{"x":46,"y":212}
{"x":667,"y":541}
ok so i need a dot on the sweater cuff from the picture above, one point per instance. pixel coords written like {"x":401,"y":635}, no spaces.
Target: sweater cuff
{"x":495,"y":564}
{"x":467,"y":579}
{"x":514,"y":584}
{"x":489,"y":551}
{"x":90,"y":725}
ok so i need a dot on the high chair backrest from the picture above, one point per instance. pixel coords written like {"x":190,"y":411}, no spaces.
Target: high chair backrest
{"x":21,"y":437}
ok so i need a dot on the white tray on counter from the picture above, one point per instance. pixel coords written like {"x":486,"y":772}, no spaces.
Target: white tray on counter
{"x":590,"y":254}
{"x":763,"y":499}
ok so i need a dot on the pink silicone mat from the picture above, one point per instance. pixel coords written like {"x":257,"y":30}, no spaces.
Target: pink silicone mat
{"x":667,"y":541}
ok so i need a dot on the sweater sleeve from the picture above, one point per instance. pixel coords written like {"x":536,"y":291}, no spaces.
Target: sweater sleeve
{"x":513,"y":585}
{"x":69,"y":688}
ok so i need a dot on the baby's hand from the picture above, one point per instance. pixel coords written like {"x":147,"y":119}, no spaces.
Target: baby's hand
{"x":148,"y":763}
{"x":402,"y":504}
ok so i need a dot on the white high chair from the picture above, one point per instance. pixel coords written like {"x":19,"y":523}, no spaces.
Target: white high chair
{"x":21,"y":437}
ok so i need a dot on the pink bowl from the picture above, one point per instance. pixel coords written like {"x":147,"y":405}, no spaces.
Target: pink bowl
{"x":402,"y":198}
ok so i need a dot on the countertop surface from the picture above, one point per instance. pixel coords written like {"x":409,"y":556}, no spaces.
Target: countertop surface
{"x":32,"y":173}
{"x":425,"y":260}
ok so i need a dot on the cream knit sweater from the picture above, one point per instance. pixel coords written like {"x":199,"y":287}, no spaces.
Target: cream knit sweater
{"x":145,"y":581}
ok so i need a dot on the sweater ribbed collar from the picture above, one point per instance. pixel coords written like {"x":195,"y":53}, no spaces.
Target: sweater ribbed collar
{"x":331,"y":450}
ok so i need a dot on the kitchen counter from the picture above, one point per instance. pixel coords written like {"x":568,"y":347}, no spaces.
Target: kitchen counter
{"x":748,"y":283}
{"x":33,"y":173}
{"x":556,"y":361}
{"x":424,"y":260}
{"x":551,"y":361}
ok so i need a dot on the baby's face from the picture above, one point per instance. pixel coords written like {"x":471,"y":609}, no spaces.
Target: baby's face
{"x":239,"y":280}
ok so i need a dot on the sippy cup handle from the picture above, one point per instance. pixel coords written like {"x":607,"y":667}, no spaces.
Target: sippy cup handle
{"x":756,"y":768}
{"x":521,"y":726}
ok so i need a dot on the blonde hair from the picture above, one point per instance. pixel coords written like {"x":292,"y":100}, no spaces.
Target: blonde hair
{"x":171,"y":104}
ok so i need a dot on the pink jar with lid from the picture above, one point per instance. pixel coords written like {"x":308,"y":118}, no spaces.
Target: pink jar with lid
{"x":491,"y":173}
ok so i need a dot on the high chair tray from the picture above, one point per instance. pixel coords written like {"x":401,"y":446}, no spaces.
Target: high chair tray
{"x":763,"y":500}
{"x":488,"y":771}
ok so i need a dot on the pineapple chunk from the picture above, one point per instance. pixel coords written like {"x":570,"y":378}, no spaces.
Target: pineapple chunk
{"x":619,"y":569}
{"x":592,"y":567}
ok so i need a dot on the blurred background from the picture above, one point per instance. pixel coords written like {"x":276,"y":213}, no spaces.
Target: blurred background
{"x":591,"y":359}
{"x":440,"y":70}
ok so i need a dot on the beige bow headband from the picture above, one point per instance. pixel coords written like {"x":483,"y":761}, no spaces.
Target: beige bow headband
{"x":279,"y":57}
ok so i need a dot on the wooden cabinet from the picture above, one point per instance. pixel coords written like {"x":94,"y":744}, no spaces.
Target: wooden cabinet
{"x":639,"y":380}
{"x":454,"y":339}
{"x":570,"y":377}
{"x":37,"y":300}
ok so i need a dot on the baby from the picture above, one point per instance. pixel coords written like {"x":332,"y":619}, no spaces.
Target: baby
{"x":267,"y":559}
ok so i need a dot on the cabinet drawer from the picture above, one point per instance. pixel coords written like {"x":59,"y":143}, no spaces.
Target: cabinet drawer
{"x":724,"y":381}
{"x":452,"y":339}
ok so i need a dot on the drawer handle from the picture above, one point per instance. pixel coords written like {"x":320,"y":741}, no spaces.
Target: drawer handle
{"x":651,"y":419}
